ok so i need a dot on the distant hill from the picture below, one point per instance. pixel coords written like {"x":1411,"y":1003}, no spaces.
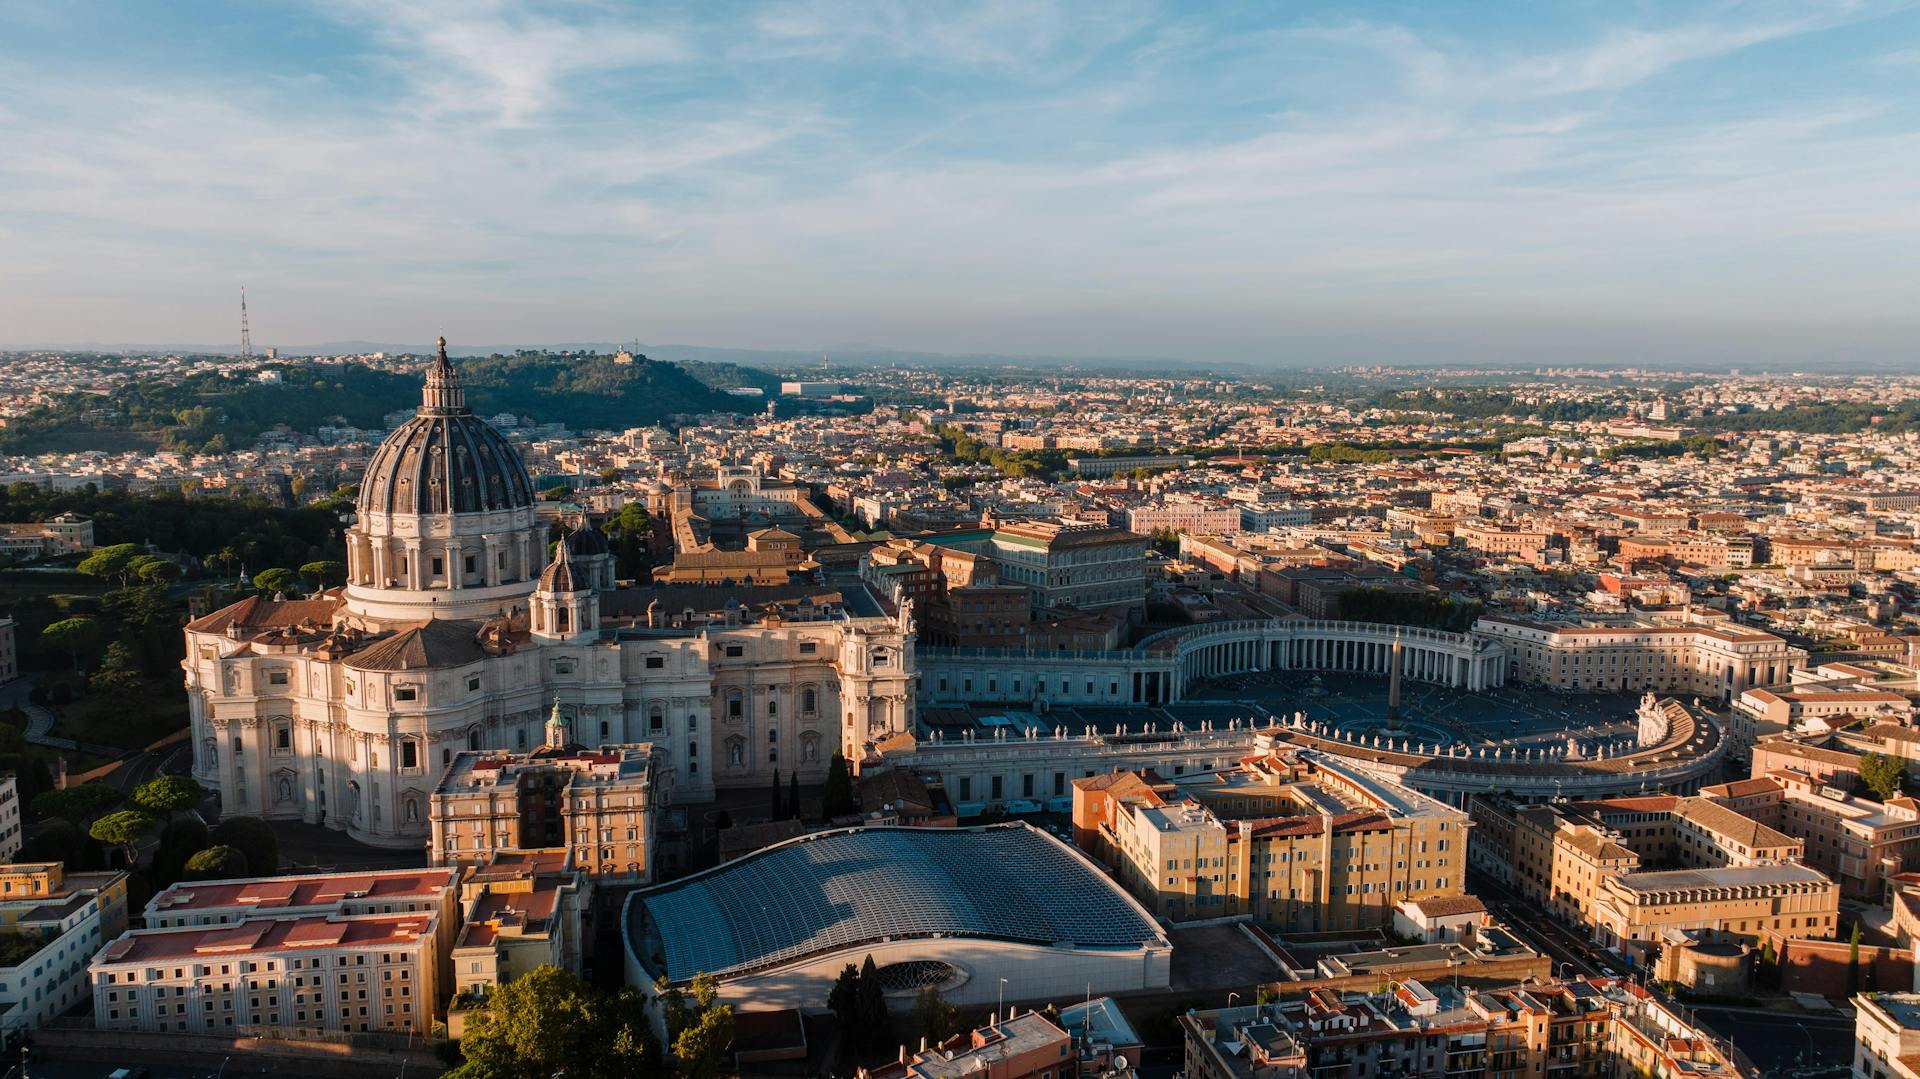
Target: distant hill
{"x":220,"y":411}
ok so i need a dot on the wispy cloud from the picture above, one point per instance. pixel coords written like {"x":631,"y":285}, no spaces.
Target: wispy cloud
{"x":973,"y":176}
{"x":501,"y":59}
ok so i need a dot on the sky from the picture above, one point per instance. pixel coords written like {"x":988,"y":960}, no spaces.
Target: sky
{"x":1269,"y":183}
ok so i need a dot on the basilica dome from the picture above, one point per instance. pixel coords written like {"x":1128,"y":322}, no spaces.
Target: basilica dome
{"x":445,"y":460}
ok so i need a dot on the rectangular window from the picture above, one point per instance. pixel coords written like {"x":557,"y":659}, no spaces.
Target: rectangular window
{"x":439,"y":566}
{"x":654,"y":663}
{"x":808,"y":648}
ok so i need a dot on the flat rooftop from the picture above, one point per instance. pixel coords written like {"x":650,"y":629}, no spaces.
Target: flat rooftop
{"x":1679,"y":880}
{"x":268,"y":935}
{"x":281,"y":893}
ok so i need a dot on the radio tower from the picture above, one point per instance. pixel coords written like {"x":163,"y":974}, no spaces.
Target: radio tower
{"x":246,"y":338}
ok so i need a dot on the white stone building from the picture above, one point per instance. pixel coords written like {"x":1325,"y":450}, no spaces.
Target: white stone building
{"x":455,"y":632}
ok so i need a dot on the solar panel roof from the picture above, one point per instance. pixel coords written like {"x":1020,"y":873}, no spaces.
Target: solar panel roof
{"x":840,"y":889}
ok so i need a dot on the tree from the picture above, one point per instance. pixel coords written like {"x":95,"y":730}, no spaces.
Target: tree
{"x":793,"y":795}
{"x":180,"y":839}
{"x":936,"y":1019}
{"x":876,"y":1024}
{"x":1853,"y":960}
{"x":551,"y":1022}
{"x":277,"y":579}
{"x":152,"y":569}
{"x":255,"y":839}
{"x":777,"y":810}
{"x":216,"y":863}
{"x":123,"y":828}
{"x":118,"y":678}
{"x":1882,"y":774}
{"x":168,"y":795}
{"x":324,"y":574}
{"x":703,"y":1039}
{"x":79,"y":637}
{"x":844,"y":999}
{"x":78,"y":804}
{"x":836,"y":799}
{"x":111,"y":562}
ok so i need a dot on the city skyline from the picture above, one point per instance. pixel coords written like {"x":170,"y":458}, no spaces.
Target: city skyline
{"x":1726,"y":185}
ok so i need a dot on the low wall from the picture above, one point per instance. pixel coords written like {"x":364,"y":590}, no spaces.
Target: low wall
{"x":349,"y":1059}
{"x":1821,"y":966}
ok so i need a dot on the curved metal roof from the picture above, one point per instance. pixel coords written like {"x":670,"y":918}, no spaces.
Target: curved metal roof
{"x":840,"y":889}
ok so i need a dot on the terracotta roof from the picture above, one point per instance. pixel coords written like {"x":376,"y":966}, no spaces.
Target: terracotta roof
{"x":1730,"y":825}
{"x":262,"y":612}
{"x":1741,"y":788}
{"x":1448,"y":906}
{"x":431,"y":644}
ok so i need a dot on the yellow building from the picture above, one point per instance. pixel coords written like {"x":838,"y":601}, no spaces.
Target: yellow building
{"x":523,"y":910}
{"x":1305,"y":845}
{"x":1739,"y":902}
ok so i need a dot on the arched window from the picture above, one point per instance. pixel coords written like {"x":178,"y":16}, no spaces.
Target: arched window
{"x":736,"y":704}
{"x":656,"y":717}
{"x":809,"y":700}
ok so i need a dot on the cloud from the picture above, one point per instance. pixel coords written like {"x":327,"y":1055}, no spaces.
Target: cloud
{"x":978,"y":173}
{"x":500,"y":58}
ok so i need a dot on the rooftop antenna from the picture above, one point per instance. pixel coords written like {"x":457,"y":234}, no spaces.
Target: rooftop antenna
{"x":246,"y":338}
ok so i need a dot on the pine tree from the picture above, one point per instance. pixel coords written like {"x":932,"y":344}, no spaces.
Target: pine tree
{"x":876,"y":1026}
{"x":836,"y":798}
{"x":775,"y":813}
{"x":793,"y":795}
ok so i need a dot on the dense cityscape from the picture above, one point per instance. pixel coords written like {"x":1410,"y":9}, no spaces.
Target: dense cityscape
{"x":890,"y":539}
{"x":922,"y":719}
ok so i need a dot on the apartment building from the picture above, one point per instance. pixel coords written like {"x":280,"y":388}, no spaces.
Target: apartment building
{"x":1708,"y":549}
{"x":598,"y":804}
{"x":1857,"y":841}
{"x":9,"y":649}
{"x":1567,"y":1030}
{"x":1566,"y":856}
{"x":1714,"y":661}
{"x":10,"y":836}
{"x":51,"y":923}
{"x":199,"y":903}
{"x":1301,"y":843}
{"x":373,"y":972}
{"x":1026,"y":1046}
{"x":1886,"y":1036}
{"x":521,"y":910}
{"x":1491,"y":539}
{"x":1183,"y":516}
{"x":1089,"y":567}
{"x":1637,"y":911}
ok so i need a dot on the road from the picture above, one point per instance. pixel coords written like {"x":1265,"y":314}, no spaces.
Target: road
{"x":1775,"y":1040}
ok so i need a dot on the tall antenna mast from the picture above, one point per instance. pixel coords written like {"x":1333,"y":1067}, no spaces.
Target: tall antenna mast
{"x":246,"y":337}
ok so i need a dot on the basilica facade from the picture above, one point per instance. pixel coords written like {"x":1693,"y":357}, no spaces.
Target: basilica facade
{"x":457,"y":631}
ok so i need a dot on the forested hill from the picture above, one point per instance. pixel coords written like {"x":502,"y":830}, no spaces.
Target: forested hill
{"x":215,"y":411}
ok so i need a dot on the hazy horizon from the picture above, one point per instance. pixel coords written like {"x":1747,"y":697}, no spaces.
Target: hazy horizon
{"x":1713,"y":185}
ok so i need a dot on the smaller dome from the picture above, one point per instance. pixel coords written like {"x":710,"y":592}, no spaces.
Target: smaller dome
{"x":588,"y":541}
{"x":558,"y":576}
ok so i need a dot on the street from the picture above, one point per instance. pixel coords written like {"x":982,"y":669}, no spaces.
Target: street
{"x":1773,"y":1039}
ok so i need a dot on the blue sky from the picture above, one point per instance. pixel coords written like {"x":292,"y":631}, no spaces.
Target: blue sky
{"x":1265,"y":183}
